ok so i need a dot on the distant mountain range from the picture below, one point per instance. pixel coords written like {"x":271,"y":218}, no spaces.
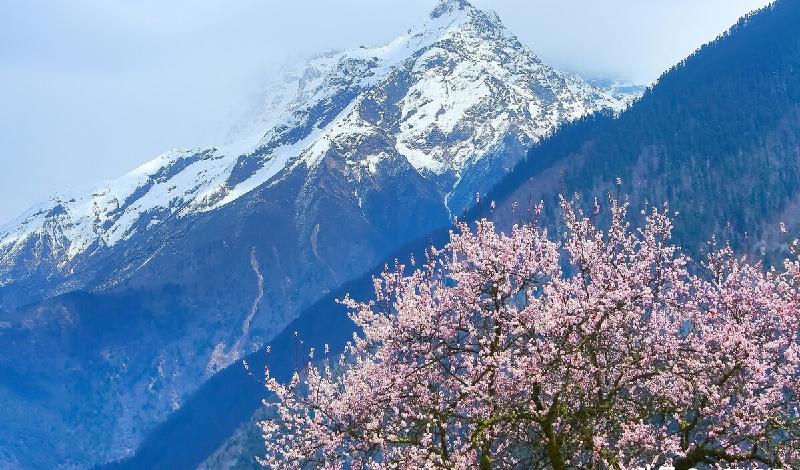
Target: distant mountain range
{"x":118,"y":302}
{"x":623,"y":90}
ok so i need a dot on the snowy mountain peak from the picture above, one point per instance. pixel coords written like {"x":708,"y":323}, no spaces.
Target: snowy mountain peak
{"x":454,"y":13}
{"x":456,"y":100}
{"x":445,"y":7}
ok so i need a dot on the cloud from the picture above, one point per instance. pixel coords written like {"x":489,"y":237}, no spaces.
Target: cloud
{"x":92,"y":88}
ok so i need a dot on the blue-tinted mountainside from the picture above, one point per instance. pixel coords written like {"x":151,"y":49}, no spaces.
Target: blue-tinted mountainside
{"x":718,"y":136}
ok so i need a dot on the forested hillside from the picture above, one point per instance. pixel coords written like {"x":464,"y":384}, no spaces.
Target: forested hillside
{"x":718,"y":137}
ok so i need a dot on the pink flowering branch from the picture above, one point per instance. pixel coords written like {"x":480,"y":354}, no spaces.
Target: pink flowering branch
{"x":597,"y":349}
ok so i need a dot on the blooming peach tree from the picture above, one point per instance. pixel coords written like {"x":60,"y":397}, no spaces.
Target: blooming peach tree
{"x":598,"y":348}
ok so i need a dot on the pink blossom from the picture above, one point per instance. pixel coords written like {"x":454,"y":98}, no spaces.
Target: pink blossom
{"x":603,"y":348}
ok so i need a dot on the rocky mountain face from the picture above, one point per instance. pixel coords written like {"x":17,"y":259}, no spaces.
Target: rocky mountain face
{"x":117,"y":302}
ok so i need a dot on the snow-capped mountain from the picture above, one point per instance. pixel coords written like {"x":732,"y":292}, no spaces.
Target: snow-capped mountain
{"x":443,"y":98}
{"x":350,"y":155}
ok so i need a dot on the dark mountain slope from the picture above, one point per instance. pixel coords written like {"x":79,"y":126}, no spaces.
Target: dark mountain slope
{"x":220,"y":406}
{"x":718,"y":137}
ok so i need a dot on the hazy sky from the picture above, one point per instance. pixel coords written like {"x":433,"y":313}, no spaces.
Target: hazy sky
{"x":89,"y":89}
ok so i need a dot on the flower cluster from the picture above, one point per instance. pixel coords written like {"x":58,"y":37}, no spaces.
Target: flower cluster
{"x":599,"y":348}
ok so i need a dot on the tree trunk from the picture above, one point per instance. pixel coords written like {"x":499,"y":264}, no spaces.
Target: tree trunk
{"x":486,"y":459}
{"x":553,"y":452}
